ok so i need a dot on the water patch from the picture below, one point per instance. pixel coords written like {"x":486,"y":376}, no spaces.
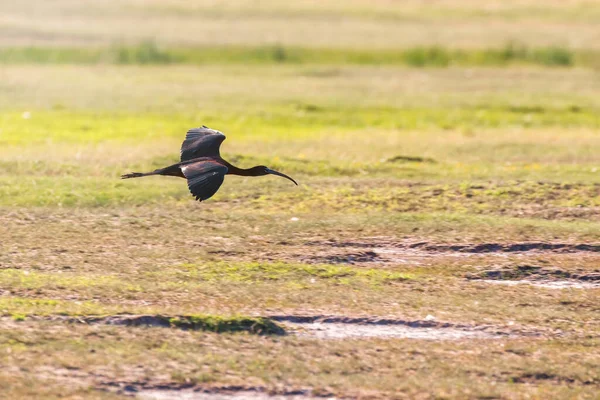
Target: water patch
{"x":342,"y":331}
{"x":509,"y":247}
{"x":324,"y":327}
{"x":389,"y":251}
{"x":555,"y":284}
{"x":158,"y":394}
{"x":349,"y":258}
{"x":474,"y":248}
{"x":544,"y":277}
{"x":319,"y":326}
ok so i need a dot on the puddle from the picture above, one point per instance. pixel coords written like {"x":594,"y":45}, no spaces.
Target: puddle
{"x":544,"y":277}
{"x":474,"y":248}
{"x":156,"y":394}
{"x":342,"y":331}
{"x":349,"y":258}
{"x":555,"y":284}
{"x":509,"y":247}
{"x":318,"y":326}
{"x":389,"y":251}
{"x":324,"y":327}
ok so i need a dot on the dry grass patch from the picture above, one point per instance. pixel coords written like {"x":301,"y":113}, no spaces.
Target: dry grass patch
{"x":375,"y":367}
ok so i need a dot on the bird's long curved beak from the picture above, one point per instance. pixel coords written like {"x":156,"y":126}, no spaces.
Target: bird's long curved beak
{"x":273,"y":172}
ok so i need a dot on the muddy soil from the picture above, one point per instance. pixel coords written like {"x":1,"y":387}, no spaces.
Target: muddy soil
{"x":187,"y":394}
{"x":342,"y":331}
{"x":319,"y":326}
{"x":336,"y":327}
{"x":381,"y":251}
{"x":539,"y":276}
{"x":464,"y":247}
{"x":557,"y":284}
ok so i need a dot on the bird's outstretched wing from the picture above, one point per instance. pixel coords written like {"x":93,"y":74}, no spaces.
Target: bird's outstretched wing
{"x":201,"y":142}
{"x":204,"y":178}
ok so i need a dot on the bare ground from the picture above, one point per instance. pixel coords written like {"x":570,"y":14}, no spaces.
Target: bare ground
{"x":353,"y":304}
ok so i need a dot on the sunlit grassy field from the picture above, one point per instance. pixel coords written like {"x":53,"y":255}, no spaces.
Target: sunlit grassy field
{"x":423,"y":124}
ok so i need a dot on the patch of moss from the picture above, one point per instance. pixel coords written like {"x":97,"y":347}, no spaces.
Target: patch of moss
{"x":18,"y":317}
{"x":255,"y":325}
{"x":280,"y":271}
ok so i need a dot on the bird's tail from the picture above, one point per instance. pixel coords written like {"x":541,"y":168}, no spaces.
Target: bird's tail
{"x":137,"y":174}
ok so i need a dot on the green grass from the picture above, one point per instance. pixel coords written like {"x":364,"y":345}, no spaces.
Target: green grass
{"x":299,"y":273}
{"x":356,"y":193}
{"x":149,"y":53}
{"x":286,"y":121}
{"x":17,"y":307}
{"x":191,"y":277}
{"x":463,"y":135}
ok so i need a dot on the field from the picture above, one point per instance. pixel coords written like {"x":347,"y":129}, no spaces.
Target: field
{"x":444,"y":241}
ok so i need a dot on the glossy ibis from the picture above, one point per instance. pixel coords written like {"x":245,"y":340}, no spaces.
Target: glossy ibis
{"x":202,"y":165}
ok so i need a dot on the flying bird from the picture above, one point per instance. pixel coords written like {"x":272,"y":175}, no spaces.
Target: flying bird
{"x":202,"y":165}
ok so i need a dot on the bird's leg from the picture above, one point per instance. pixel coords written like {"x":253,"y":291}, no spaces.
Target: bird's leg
{"x":172,"y":170}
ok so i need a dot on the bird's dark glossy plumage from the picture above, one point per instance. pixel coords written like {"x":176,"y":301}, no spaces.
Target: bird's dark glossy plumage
{"x":201,"y":164}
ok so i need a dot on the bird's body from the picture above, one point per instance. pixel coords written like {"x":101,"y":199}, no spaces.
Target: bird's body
{"x":201,"y":164}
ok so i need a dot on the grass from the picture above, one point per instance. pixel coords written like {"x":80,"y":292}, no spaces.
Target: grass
{"x":149,"y":53}
{"x":340,"y":367}
{"x":353,"y":193}
{"x":301,"y":274}
{"x":410,"y":10}
{"x":192,"y":277}
{"x":180,"y":291}
{"x":442,"y":98}
{"x":208,"y":323}
{"x":361,"y":24}
{"x":287,"y":123}
{"x":18,"y":307}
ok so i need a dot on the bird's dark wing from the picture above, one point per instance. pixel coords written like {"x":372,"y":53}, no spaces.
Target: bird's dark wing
{"x":204,"y":178}
{"x":201,"y":142}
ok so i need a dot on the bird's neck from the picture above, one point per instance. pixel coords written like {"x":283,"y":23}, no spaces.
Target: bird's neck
{"x":233,"y":170}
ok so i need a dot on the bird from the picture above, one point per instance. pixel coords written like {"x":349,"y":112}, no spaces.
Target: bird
{"x":201,"y":164}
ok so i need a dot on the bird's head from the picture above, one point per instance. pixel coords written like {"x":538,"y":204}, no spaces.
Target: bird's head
{"x":261,"y":170}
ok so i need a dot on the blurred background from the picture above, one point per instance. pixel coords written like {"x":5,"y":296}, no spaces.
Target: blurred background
{"x":96,"y":87}
{"x":428,"y":91}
